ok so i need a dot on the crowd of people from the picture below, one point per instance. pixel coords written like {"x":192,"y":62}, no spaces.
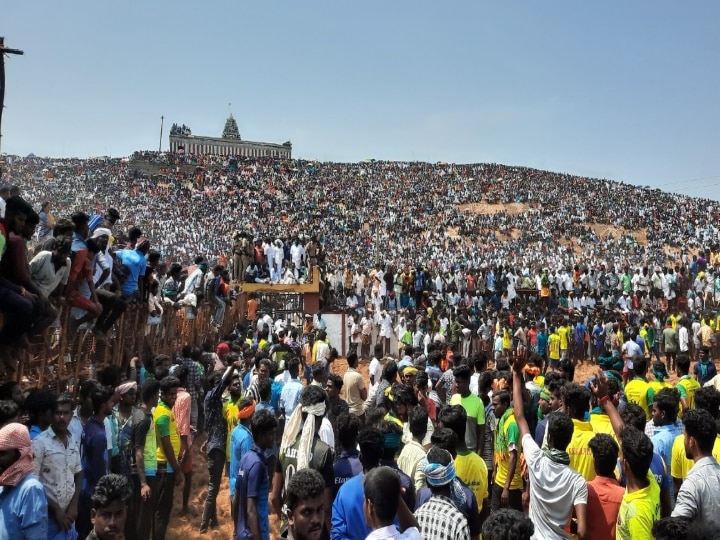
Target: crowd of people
{"x":470,"y":421}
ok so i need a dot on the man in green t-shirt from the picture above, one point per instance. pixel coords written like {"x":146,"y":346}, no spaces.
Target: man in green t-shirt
{"x":473,"y":405}
{"x":144,"y":464}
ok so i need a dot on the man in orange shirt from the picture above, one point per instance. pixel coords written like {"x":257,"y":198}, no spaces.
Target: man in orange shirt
{"x":604,"y":492}
{"x":252,"y":305}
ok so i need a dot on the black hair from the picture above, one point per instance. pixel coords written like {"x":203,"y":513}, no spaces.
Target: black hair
{"x":8,"y":410}
{"x":168,"y":383}
{"x":348,"y":426}
{"x":371,"y":441}
{"x":293,"y":366}
{"x":707,"y":398}
{"x":39,"y":402}
{"x":402,"y":395}
{"x":633,"y":415}
{"x":390,"y":371}
{"x":577,"y":400}
{"x":109,"y":376}
{"x":264,"y":389}
{"x":352,"y":359}
{"x":417,"y":421}
{"x":304,"y":485}
{"x":78,"y":218}
{"x":446,"y":439}
{"x":703,"y":530}
{"x":508,"y":524}
{"x":100,"y":395}
{"x":62,"y":399}
{"x":111,"y":488}
{"x":670,"y":528}
{"x":700,"y":425}
{"x":639,"y":365}
{"x":637,"y":450}
{"x":382,"y":489}
{"x":181,"y":373}
{"x":683,"y":363}
{"x":503,"y":396}
{"x":462,"y":372}
{"x":312,"y":395}
{"x":455,"y":418}
{"x":374,"y":415}
{"x":560,"y":429}
{"x":667,"y":400}
{"x":336,"y":381}
{"x":149,"y":389}
{"x":263,"y":421}
{"x":605,"y":452}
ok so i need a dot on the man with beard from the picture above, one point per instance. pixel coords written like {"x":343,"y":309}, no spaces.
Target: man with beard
{"x":305,"y":506}
{"x":23,"y":506}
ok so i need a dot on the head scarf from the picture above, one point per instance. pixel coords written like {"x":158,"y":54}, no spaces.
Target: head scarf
{"x":442,"y":475}
{"x":15,"y":436}
{"x":246,"y":412}
{"x":102,"y":231}
{"x":126,"y":387}
{"x":292,"y":428}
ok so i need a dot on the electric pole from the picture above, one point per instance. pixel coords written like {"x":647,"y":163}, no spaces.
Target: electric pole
{"x":3,"y":51}
{"x":162,"y":120}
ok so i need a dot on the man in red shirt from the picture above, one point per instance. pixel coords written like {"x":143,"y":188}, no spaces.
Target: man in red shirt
{"x":604,"y":492}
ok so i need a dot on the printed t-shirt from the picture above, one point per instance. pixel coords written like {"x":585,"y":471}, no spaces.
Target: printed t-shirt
{"x":507,"y":438}
{"x":581,"y":458}
{"x":471,"y":469}
{"x":638,"y":511}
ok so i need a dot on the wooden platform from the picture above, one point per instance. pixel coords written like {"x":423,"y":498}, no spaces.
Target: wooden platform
{"x":313,"y":287}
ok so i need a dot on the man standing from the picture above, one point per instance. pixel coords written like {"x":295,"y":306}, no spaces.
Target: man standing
{"x":23,"y":506}
{"x":664,"y":416}
{"x":290,"y":395}
{"x":144,"y":445}
{"x":182,"y":410}
{"x":94,"y":453}
{"x":473,"y":405}
{"x":507,"y":488}
{"x":383,"y":503}
{"x":250,"y":504}
{"x":699,"y":497}
{"x":556,"y":490}
{"x":355,"y":390}
{"x":168,"y":451}
{"x":241,"y":440}
{"x":217,"y":438}
{"x":604,"y":492}
{"x":58,"y":467}
{"x":439,"y":518}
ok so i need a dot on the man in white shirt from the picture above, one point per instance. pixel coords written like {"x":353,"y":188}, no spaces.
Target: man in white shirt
{"x":556,"y":490}
{"x":386,"y":330}
{"x":48,"y":269}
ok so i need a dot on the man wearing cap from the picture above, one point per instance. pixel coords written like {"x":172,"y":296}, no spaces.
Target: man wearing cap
{"x":113,"y":306}
{"x":107,"y":221}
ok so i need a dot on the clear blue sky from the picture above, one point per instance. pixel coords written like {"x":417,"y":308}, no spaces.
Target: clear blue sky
{"x":623,"y":90}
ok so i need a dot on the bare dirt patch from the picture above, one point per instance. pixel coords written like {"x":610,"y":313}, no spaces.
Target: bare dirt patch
{"x":487,"y":208}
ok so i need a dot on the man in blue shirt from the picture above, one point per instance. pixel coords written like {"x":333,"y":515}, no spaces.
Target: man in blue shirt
{"x":252,"y":487}
{"x":241,"y":440}
{"x":93,"y":452}
{"x":348,"y":518}
{"x":23,"y":505}
{"x":348,"y":463}
{"x":290,"y":396}
{"x":135,"y":261}
{"x":664,"y":415}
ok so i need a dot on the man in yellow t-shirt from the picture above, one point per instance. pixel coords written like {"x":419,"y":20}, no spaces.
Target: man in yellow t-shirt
{"x":168,"y":454}
{"x":577,"y":403}
{"x":553,"y":349}
{"x":638,"y":390}
{"x":640,"y":507}
{"x":508,"y":484}
{"x":564,"y":334}
{"x":686,"y":385}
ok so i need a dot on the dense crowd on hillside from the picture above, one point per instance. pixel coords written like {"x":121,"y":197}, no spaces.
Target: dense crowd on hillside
{"x":471,"y":420}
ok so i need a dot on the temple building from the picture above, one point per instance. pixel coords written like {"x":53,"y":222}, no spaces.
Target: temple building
{"x":182,"y":141}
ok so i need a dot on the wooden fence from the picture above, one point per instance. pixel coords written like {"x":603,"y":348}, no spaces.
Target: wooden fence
{"x":59,"y":361}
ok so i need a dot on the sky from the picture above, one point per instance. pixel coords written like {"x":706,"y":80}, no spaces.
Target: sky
{"x":620,"y":90}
